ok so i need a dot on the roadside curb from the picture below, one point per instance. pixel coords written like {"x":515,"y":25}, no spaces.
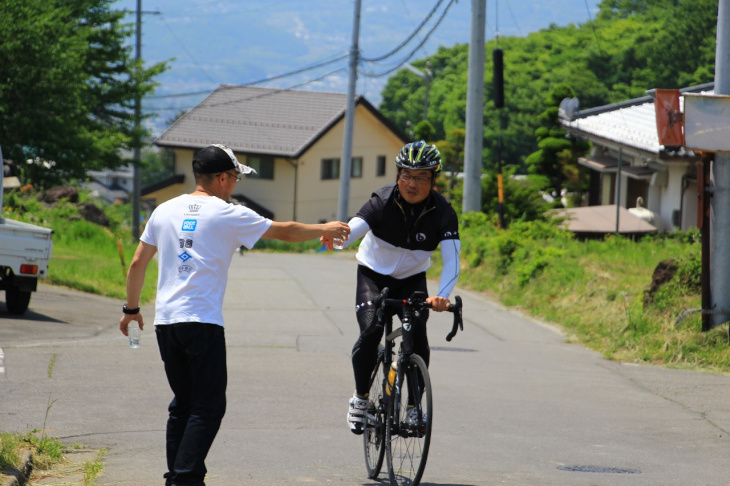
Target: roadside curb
{"x":20,"y":476}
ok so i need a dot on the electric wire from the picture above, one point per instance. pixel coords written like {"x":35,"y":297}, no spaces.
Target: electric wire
{"x":593,"y":27}
{"x":291,"y":73}
{"x":259,"y":81}
{"x":261,"y":95}
{"x":514,"y":19}
{"x":408,"y":57}
{"x":195,"y":61}
{"x":323,"y":62}
{"x":408,"y":39}
{"x":271,"y":91}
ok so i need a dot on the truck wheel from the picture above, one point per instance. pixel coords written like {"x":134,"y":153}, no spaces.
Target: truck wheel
{"x":17,"y":300}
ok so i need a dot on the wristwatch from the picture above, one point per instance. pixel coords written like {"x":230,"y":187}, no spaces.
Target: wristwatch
{"x":129,"y":311}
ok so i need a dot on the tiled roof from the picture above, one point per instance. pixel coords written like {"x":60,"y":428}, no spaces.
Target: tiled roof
{"x":259,"y":120}
{"x":631,"y":123}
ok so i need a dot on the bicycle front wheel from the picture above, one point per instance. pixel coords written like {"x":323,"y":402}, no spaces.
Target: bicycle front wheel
{"x":408,"y":426}
{"x":374,"y":434}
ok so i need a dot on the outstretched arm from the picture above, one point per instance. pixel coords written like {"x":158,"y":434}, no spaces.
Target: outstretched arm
{"x":291,"y":231}
{"x":358,"y":229}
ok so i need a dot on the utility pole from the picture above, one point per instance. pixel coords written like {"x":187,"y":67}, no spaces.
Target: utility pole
{"x":137,"y":181}
{"x":720,"y":202}
{"x":346,"y":162}
{"x":498,"y":69}
{"x":475,"y":110}
{"x":137,"y":172}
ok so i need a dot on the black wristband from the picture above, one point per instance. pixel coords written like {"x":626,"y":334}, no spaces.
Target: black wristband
{"x":129,"y":311}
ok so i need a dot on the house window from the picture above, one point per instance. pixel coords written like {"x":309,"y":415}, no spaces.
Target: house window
{"x":356,"y":167}
{"x":330,"y":169}
{"x":264,"y":166}
{"x":380,"y":166}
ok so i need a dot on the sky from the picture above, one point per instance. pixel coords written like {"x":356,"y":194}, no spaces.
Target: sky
{"x":215,"y":42}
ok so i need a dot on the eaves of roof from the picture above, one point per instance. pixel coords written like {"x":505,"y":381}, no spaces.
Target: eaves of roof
{"x":157,"y":186}
{"x":630,"y":124}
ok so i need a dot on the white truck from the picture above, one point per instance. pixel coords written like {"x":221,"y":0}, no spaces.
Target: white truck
{"x":24,"y":253}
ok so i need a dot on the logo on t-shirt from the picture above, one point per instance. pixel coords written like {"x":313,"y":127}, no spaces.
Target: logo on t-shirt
{"x":193,"y":210}
{"x":186,"y":243}
{"x":184,"y":256}
{"x":189,"y":224}
{"x":184,"y":271}
{"x":420,"y":237}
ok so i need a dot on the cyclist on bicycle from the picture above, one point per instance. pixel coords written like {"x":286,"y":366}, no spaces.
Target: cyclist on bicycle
{"x":402,"y":225}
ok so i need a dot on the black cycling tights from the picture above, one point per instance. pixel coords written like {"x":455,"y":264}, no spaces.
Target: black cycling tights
{"x":365,"y":350}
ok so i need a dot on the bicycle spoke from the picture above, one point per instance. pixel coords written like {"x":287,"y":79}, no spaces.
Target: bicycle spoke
{"x":374,"y":435}
{"x":407,"y":436}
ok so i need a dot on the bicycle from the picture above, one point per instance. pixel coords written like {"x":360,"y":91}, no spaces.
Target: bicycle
{"x":400,"y":415}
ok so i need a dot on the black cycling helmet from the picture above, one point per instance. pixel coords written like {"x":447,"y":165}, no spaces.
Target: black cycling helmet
{"x":419,"y":155}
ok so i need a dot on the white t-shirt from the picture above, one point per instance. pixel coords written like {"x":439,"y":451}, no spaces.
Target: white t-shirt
{"x":196,"y":237}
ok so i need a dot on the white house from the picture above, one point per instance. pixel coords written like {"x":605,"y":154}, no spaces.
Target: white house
{"x":627,"y":162}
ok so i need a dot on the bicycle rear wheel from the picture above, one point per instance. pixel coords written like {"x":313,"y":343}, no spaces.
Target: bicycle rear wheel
{"x":408,"y":425}
{"x":374,"y":434}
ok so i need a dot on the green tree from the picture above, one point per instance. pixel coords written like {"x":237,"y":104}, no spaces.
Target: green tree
{"x":557,"y":156}
{"x":682,"y":53}
{"x":68,"y":87}
{"x":424,"y":131}
{"x":631,"y":46}
{"x":452,"y":155}
{"x":621,"y":9}
{"x":157,"y":165}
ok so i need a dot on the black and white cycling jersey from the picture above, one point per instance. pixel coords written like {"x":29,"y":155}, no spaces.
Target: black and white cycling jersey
{"x":399,"y":238}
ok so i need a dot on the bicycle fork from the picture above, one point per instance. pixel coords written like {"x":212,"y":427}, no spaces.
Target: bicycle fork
{"x":401,"y":424}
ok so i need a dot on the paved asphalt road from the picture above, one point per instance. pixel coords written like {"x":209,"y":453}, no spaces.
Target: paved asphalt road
{"x":514,"y":403}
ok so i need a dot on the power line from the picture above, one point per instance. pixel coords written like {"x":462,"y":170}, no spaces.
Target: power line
{"x":291,"y":73}
{"x":519,"y":31}
{"x":377,"y":75}
{"x":408,"y":39}
{"x":593,"y":27}
{"x":326,"y":61}
{"x":268,"y":93}
{"x":260,"y":81}
{"x":179,"y":95}
{"x":271,"y":92}
{"x":195,"y":61}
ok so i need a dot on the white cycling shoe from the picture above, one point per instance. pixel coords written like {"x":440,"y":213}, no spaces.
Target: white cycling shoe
{"x":356,"y":414}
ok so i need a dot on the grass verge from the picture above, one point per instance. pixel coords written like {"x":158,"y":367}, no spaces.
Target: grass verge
{"x":598,"y":292}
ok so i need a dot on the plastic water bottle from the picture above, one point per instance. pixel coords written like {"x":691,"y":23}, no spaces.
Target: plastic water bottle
{"x":134,"y":335}
{"x":391,"y":377}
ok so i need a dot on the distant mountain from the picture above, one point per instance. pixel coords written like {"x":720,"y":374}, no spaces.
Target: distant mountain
{"x":224,"y":42}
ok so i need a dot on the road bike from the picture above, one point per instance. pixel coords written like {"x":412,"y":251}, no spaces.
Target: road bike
{"x":399,"y":418}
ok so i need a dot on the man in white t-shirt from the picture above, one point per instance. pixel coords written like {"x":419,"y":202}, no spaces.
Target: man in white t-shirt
{"x":195,"y":236}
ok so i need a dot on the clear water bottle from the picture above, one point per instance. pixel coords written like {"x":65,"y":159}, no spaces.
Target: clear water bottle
{"x":391,"y":377}
{"x":134,"y":334}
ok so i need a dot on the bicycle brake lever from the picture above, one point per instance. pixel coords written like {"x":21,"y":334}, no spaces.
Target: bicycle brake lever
{"x":458,"y":318}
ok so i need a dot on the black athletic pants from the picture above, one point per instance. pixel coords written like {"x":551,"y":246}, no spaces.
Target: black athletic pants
{"x":365,"y":350}
{"x":195,"y":363}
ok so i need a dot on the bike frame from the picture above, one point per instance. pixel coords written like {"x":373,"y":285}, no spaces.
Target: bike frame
{"x":417,"y":380}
